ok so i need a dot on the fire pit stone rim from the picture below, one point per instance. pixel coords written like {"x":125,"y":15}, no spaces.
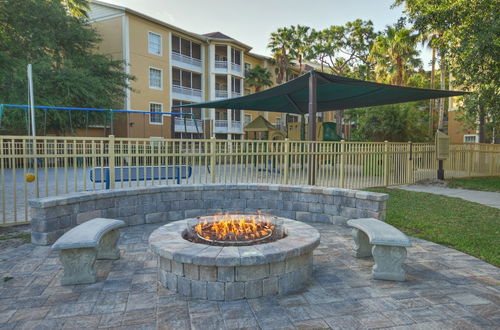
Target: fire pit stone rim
{"x":294,"y":244}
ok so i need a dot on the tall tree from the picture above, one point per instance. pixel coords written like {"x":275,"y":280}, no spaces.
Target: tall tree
{"x":395,"y":55}
{"x":280,"y":44}
{"x":259,"y":78}
{"x":471,"y":38}
{"x":300,"y":44}
{"x":344,"y":51}
{"x":66,"y":68}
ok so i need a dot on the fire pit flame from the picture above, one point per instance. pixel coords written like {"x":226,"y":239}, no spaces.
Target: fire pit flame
{"x":234,"y":228}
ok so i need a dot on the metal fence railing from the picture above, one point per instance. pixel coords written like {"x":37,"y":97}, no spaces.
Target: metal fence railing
{"x":67,"y":164}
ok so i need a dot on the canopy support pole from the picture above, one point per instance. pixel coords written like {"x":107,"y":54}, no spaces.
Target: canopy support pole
{"x":312,"y":128}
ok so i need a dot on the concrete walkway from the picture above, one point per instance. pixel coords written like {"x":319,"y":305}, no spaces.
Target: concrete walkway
{"x":491,"y":199}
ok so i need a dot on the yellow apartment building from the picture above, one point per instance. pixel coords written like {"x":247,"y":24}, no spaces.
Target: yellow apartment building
{"x":172,"y":67}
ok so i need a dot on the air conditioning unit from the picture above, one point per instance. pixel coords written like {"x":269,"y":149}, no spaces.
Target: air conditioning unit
{"x":471,"y":138}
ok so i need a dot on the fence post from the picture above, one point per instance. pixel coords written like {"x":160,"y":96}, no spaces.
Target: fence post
{"x":287,"y":160}
{"x":469,"y":160}
{"x":111,"y":161}
{"x":342,"y":164}
{"x":410,"y":163}
{"x":386,"y":163}
{"x":213,"y":146}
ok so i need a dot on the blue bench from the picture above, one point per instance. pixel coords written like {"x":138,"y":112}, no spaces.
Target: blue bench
{"x":141,"y":173}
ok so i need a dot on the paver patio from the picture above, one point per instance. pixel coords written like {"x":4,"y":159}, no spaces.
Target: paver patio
{"x":446,"y":289}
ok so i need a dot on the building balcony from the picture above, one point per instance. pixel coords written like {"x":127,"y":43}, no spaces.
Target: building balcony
{"x":188,"y":125}
{"x":186,"y":62}
{"x":221,"y":66}
{"x":187,"y":93}
{"x":226,"y":126}
{"x":221,"y":94}
{"x":235,"y":94}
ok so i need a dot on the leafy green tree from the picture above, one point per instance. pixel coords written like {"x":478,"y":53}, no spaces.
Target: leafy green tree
{"x":76,"y":8}
{"x":67,"y":71}
{"x":395,"y":55}
{"x":344,"y":51}
{"x":259,"y":78}
{"x":471,"y":39}
{"x":394,"y":122}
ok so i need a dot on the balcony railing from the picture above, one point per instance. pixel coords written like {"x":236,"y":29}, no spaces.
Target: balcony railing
{"x":221,"y":64}
{"x":236,"y":68}
{"x":222,"y":126}
{"x":188,"y":125}
{"x":235,"y":94}
{"x":197,"y":93}
{"x":221,"y":94}
{"x":186,"y":59}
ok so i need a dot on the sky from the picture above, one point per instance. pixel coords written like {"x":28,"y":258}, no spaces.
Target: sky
{"x":252,"y":21}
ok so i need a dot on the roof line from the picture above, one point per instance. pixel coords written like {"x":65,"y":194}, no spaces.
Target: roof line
{"x":173,"y":27}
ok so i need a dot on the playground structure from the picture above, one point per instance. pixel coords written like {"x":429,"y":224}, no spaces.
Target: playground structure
{"x":106,"y":123}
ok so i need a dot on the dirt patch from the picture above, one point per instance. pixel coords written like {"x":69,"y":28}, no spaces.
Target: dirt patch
{"x":14,"y":236}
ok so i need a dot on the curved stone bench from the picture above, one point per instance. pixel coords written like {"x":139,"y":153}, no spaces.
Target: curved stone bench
{"x":53,"y":216}
{"x":387,"y":245}
{"x":81,"y":246}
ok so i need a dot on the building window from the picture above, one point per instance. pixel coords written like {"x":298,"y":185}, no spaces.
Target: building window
{"x":155,"y":78}
{"x":247,"y":120}
{"x":471,"y":138}
{"x":186,"y":47}
{"x":154,"y":43}
{"x":248,"y":67}
{"x":154,"y":116}
{"x":235,"y":56}
{"x":196,"y":112}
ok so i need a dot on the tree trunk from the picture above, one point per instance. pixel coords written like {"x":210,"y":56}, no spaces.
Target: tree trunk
{"x":433,"y":85}
{"x":399,"y":65}
{"x":482,"y":116}
{"x":441,"y":100}
{"x":339,"y":116}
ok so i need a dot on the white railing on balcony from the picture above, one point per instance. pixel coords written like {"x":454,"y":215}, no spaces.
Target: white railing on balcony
{"x":222,"y":126}
{"x":188,"y":125}
{"x":186,"y":59}
{"x":236,"y":68}
{"x":221,"y":64}
{"x":187,"y":91}
{"x":236,"y":126}
{"x":221,"y":94}
{"x":235,"y":94}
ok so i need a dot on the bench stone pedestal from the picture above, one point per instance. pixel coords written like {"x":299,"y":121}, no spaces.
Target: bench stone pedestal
{"x":79,"y":266}
{"x":388,"y":261}
{"x":108,"y":247}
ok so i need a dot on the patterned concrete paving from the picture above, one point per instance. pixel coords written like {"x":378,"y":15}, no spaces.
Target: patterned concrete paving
{"x":446,"y":289}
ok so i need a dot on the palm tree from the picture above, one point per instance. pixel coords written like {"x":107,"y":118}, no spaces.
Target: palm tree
{"x":395,"y":55}
{"x":258,"y":77}
{"x":301,"y":43}
{"x":430,"y":37}
{"x":76,"y":8}
{"x":280,"y":45}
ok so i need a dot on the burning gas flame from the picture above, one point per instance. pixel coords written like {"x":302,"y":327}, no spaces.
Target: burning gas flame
{"x":234,"y":227}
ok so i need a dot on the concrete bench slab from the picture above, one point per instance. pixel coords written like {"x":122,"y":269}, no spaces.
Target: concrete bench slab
{"x":385,"y":243}
{"x":81,"y":246}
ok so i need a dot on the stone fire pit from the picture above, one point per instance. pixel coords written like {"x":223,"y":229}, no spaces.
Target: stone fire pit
{"x":234,"y":272}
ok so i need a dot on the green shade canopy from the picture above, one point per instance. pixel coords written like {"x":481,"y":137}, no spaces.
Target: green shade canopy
{"x":333,"y":93}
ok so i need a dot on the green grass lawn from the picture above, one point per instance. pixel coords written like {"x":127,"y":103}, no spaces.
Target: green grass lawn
{"x":465,"y":226}
{"x":485,"y":184}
